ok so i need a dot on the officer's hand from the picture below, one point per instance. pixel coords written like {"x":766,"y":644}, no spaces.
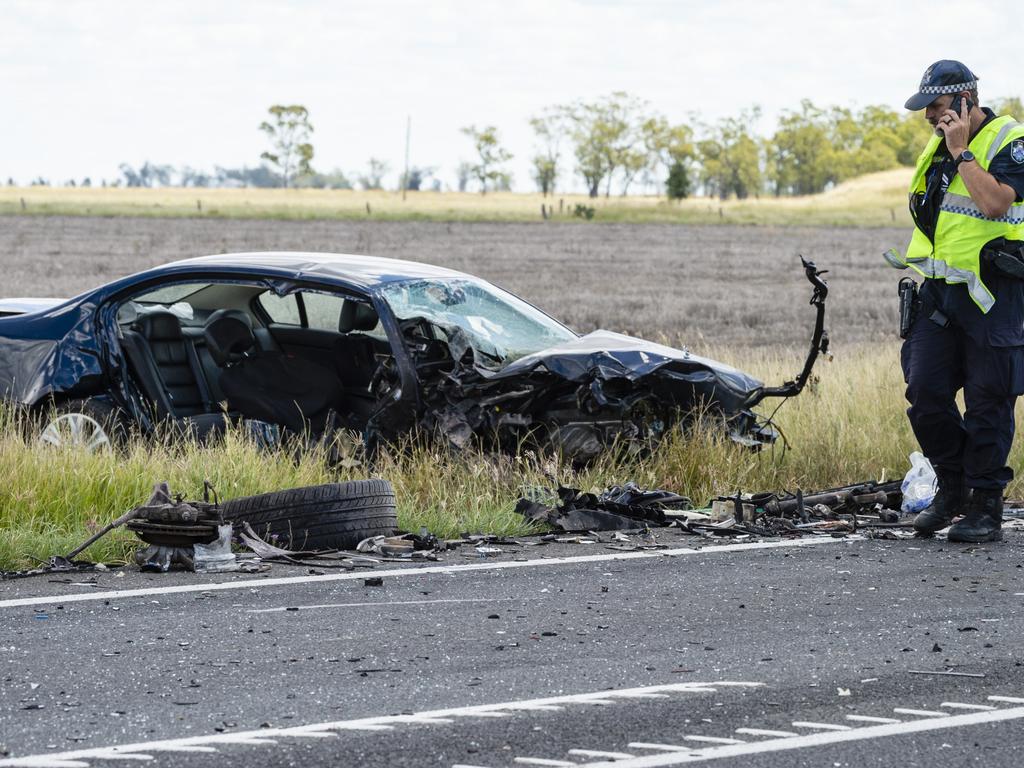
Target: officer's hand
{"x":957,"y":129}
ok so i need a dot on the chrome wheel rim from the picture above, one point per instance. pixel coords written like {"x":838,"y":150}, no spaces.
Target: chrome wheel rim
{"x":75,"y":430}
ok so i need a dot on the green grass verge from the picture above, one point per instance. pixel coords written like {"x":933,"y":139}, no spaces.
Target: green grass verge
{"x":848,"y":426}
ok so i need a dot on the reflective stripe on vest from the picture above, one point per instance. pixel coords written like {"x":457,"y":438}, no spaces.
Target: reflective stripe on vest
{"x":936,"y":268}
{"x":963,"y":205}
{"x":997,"y":143}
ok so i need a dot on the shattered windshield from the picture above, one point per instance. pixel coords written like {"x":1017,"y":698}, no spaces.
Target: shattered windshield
{"x":496,"y":324}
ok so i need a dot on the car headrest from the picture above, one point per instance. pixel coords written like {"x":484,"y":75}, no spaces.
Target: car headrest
{"x":159,"y":326}
{"x":357,"y":316}
{"x":228,"y":336}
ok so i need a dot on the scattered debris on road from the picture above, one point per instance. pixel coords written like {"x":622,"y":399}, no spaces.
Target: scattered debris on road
{"x":836,"y":511}
{"x":620,"y":508}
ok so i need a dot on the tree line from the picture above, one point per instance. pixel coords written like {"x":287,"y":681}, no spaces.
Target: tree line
{"x":610,"y":144}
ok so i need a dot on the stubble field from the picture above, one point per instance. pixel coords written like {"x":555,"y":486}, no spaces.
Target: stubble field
{"x":708,"y":287}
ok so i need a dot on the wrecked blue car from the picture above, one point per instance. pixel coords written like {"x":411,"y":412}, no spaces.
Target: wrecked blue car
{"x":312,"y":343}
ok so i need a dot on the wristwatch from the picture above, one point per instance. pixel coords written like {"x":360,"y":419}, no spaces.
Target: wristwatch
{"x":965,"y":157}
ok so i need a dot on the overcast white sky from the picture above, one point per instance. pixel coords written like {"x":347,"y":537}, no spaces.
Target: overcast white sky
{"x":88,"y":84}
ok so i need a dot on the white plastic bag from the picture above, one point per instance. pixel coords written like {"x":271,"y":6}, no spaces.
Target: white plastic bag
{"x":215,"y":557}
{"x":919,"y":485}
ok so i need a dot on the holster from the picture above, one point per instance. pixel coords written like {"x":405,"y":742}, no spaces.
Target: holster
{"x":910,"y":305}
{"x":913,"y":303}
{"x":1005,"y":257}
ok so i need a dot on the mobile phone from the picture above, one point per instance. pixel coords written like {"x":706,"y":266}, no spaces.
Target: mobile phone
{"x":955,"y":104}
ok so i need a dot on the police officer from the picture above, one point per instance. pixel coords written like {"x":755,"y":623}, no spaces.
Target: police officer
{"x":966,"y":201}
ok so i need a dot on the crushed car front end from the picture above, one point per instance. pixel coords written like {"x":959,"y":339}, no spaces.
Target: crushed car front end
{"x":494,"y":370}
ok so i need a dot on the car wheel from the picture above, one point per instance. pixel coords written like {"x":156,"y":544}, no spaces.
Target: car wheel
{"x":88,"y":425}
{"x":332,"y":516}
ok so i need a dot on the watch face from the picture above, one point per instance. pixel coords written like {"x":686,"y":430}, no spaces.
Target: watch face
{"x":967,"y":156}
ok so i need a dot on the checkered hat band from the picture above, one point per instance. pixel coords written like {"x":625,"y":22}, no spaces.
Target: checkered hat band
{"x":955,"y":88}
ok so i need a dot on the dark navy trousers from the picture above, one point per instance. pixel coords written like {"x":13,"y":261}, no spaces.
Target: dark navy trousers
{"x":981,"y":354}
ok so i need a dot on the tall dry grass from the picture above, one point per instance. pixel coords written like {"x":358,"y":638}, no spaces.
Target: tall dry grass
{"x":848,"y":426}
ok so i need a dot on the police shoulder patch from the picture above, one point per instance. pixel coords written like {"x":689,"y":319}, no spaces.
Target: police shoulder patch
{"x":1017,"y":150}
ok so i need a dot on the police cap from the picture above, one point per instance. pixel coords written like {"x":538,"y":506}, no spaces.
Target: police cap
{"x":946,"y":76}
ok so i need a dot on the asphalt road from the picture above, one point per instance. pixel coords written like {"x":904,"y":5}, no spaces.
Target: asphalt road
{"x":781,"y":655}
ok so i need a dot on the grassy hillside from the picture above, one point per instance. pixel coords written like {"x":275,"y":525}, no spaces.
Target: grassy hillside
{"x":874,"y":200}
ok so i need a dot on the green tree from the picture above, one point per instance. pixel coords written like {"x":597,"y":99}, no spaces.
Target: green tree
{"x":677,"y":186}
{"x":490,"y":155}
{"x":801,"y":157}
{"x":288,"y":133}
{"x":730,"y":157}
{"x":814,"y":148}
{"x":549,"y":129}
{"x":671,"y":147}
{"x":607,"y":139}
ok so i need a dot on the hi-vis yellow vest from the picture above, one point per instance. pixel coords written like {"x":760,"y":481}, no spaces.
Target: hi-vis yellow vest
{"x":962,"y":229}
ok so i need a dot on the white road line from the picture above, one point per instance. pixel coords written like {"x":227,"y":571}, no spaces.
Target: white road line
{"x":383,"y":603}
{"x":870,"y":719}
{"x":113,"y":754}
{"x":958,"y":705}
{"x":601,"y":753}
{"x":820,"y":726}
{"x":537,"y":708}
{"x":866,"y":733}
{"x":713,"y":739}
{"x":262,"y":584}
{"x":920,"y":712}
{"x":544,"y":761}
{"x":1006,"y":699}
{"x":78,"y":758}
{"x":660,"y":747}
{"x":763,"y":732}
{"x":499,"y":714}
{"x":313,"y":735}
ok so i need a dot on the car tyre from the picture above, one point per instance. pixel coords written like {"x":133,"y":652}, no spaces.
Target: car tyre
{"x":90,"y":425}
{"x":332,"y":516}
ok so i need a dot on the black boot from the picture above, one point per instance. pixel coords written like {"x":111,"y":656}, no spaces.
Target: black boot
{"x":984,"y":520}
{"x":947,"y":504}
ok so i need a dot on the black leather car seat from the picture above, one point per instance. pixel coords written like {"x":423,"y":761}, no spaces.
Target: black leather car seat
{"x":168,"y":369}
{"x":290,"y":391}
{"x":354,"y":351}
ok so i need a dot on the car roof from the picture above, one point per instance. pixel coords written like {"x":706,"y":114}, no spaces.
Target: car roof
{"x":362,"y":271}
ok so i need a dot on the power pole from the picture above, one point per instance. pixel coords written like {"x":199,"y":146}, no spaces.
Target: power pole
{"x":405,"y":175}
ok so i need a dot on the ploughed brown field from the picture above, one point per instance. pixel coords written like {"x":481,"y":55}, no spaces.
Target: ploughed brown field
{"x":703,"y":286}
